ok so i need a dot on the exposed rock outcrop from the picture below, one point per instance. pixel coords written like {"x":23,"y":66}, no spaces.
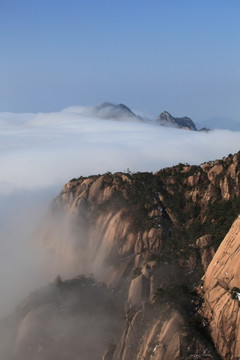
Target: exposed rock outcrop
{"x":121,"y":112}
{"x":158,"y":330}
{"x":109,"y":224}
{"x":149,"y":237}
{"x":154,"y":332}
{"x":220,"y":293}
{"x":109,"y":110}
{"x":183,"y":123}
{"x":139,"y":291}
{"x":204,"y":243}
{"x":71,"y":319}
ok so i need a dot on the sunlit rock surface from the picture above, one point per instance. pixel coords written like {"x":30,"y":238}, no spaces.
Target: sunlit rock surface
{"x":220,"y":289}
{"x":143,"y":242}
{"x":109,"y":224}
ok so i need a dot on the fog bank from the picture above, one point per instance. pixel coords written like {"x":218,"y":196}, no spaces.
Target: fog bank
{"x":41,"y":152}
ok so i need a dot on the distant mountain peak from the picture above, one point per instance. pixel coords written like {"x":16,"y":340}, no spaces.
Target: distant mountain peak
{"x":110,"y":110}
{"x":165,"y":118}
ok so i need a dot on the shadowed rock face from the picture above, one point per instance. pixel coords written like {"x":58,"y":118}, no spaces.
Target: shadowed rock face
{"x":73,"y":319}
{"x":120,"y":112}
{"x":221,"y":305}
{"x":160,"y":331}
{"x":204,"y":243}
{"x":183,"y":123}
{"x":115,"y":111}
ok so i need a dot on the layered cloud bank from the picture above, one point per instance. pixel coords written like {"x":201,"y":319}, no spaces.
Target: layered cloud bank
{"x":41,"y":150}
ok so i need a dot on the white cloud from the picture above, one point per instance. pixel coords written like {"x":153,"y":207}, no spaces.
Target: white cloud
{"x":46,"y":149}
{"x":40,"y":152}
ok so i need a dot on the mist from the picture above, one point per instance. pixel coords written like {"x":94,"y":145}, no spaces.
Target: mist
{"x":43,"y":150}
{"x":40,"y":152}
{"x":24,"y":264}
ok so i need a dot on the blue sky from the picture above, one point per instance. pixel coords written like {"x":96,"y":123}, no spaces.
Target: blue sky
{"x":153,"y":55}
{"x":177,"y":55}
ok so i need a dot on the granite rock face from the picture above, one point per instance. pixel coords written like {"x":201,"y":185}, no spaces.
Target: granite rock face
{"x":204,"y":243}
{"x":154,"y":332}
{"x":220,"y":291}
{"x":143,"y":242}
{"x":122,"y":220}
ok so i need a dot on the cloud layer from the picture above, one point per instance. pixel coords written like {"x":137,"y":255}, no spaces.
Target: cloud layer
{"x":41,"y":150}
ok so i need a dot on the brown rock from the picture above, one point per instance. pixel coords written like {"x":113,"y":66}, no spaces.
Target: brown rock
{"x":207,"y":251}
{"x":108,"y":355}
{"x":139,"y":291}
{"x":221,"y":310}
{"x":214,"y":172}
{"x":204,"y":241}
{"x":159,"y":332}
{"x":193,"y":180}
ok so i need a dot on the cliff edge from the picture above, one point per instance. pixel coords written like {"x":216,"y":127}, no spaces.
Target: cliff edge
{"x":221,"y":294}
{"x":143,"y":241}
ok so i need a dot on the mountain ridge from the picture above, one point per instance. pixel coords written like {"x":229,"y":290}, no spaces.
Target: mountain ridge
{"x":182,"y":123}
{"x":149,"y":238}
{"x":108,"y":110}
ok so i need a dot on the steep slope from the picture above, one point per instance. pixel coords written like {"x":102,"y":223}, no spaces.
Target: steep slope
{"x":221,"y":294}
{"x":121,"y":112}
{"x":109,"y":224}
{"x":114,"y":111}
{"x":149,"y":238}
{"x":183,"y":123}
{"x":73,"y":319}
{"x":161,"y":331}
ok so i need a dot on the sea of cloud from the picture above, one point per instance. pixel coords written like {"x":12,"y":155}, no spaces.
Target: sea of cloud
{"x":40,"y":152}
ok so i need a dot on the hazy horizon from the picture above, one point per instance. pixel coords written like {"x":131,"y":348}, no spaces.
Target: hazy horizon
{"x":47,"y":149}
{"x":182,"y":57}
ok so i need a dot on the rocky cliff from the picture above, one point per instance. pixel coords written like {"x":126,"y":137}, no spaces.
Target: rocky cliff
{"x":221,"y":294}
{"x":121,"y":112}
{"x":109,"y":110}
{"x":123,"y":220}
{"x":148,"y":234}
{"x":183,"y":123}
{"x":149,"y":238}
{"x":71,"y":319}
